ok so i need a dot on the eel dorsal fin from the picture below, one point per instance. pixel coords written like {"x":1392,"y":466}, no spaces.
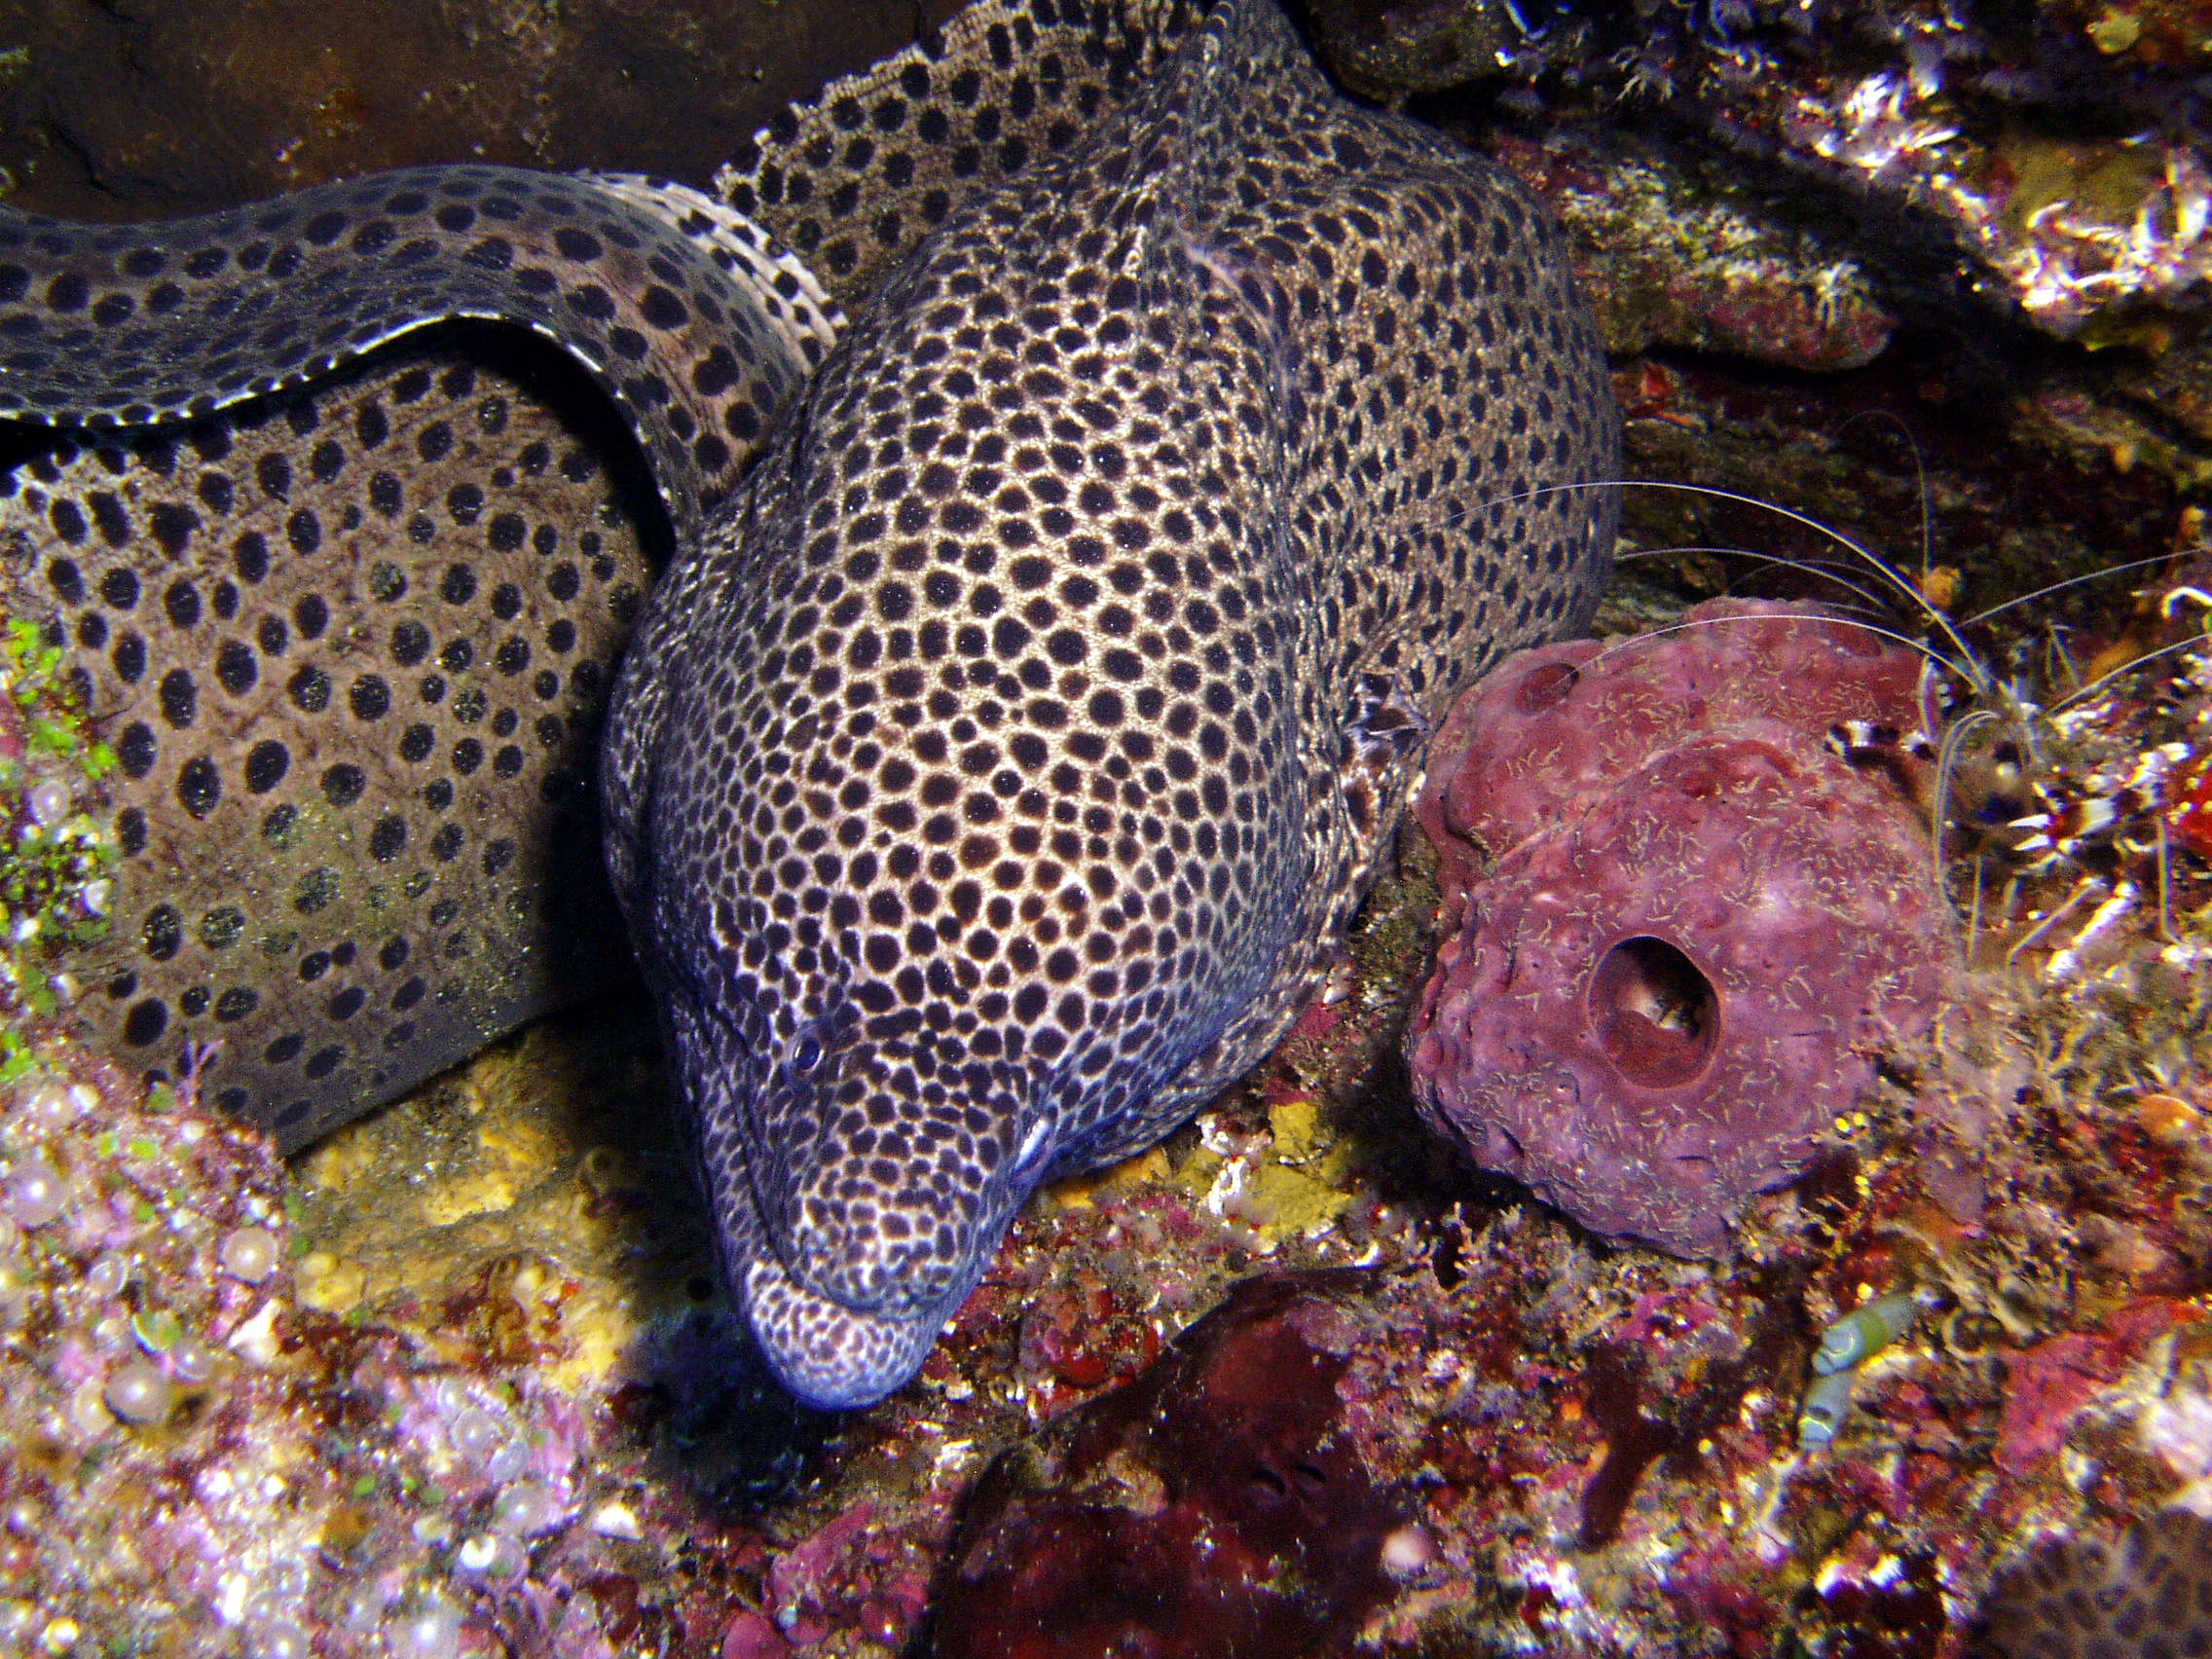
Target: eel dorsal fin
{"x":854,"y":178}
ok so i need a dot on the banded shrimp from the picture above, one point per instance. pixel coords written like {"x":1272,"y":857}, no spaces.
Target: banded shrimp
{"x":2063,"y":768}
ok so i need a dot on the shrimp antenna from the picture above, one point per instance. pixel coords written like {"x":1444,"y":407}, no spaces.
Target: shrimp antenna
{"x":2128,"y":667}
{"x":1920,"y":473}
{"x":1966,"y":666}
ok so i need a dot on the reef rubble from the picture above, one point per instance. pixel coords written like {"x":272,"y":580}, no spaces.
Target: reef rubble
{"x":463,"y":1398}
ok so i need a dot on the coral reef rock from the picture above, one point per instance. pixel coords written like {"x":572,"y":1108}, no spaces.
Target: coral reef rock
{"x":1658,"y":1005}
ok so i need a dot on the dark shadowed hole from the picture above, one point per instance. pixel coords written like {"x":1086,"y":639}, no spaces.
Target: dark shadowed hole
{"x":1444,"y":1261}
{"x":1654,"y":1014}
{"x":1545,"y":688}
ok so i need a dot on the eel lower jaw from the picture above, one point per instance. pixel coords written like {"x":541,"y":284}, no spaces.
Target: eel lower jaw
{"x":832,"y":1356}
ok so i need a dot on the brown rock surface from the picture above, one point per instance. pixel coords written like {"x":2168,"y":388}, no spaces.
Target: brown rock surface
{"x":153,"y":108}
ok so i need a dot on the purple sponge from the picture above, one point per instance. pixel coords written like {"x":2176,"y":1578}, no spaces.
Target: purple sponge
{"x":1553,"y":728}
{"x":1703,"y":926}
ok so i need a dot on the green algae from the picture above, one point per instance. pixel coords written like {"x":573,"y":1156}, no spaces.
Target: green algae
{"x":57,"y":862}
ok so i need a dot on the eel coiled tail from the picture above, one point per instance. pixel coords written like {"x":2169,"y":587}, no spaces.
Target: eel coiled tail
{"x":677,"y":307}
{"x":347,"y":624}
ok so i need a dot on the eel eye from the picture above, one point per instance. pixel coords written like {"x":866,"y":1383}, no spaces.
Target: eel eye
{"x":807,"y":1055}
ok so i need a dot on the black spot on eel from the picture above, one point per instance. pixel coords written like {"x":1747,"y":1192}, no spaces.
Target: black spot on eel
{"x":1032,"y":691}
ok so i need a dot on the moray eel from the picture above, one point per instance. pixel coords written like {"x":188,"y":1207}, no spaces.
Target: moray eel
{"x":352,"y":642}
{"x":351,"y":631}
{"x":994,"y":772}
{"x":997,"y":776}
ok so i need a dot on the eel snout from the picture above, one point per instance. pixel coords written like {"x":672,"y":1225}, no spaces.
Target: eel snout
{"x":888,"y":1213}
{"x":859,"y":1189}
{"x":893,"y":1198}
{"x":829,"y":1355}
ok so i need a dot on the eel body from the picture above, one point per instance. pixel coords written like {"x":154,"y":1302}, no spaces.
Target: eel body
{"x":351,"y":628}
{"x":1031,"y":693}
{"x":348,"y":616}
{"x":995,"y":778}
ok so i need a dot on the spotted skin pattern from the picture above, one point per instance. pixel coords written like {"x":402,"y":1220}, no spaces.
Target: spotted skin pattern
{"x":995,"y":778}
{"x":352,"y":641}
{"x":854,"y":179}
{"x":1003,"y":756}
{"x":125,"y":324}
{"x":350,"y":647}
{"x":376,"y":968}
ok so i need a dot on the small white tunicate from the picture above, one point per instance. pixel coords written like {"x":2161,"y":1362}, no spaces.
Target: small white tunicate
{"x":190,"y":1360}
{"x":430,"y":1630}
{"x":108,"y":1275}
{"x":526,"y":1509}
{"x":249,"y":1254}
{"x":51,"y":1107}
{"x":49,"y":801}
{"x":508,"y":1462}
{"x":255,"y":1338}
{"x":137,"y":1392}
{"x":230,"y":1601}
{"x":112,"y":1331}
{"x":1408,"y":1551}
{"x":279,"y":1639}
{"x":477,"y":1434}
{"x":35,"y":1193}
{"x":491,"y":1555}
{"x":616,"y":1521}
{"x":86,"y":1412}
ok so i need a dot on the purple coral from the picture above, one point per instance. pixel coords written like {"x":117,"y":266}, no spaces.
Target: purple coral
{"x":1703,"y":925}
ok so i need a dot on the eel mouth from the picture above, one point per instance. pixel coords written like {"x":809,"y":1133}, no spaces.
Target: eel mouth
{"x":832,"y":1356}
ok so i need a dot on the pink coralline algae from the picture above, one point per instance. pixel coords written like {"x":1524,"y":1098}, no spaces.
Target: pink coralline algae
{"x":1704,"y":922}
